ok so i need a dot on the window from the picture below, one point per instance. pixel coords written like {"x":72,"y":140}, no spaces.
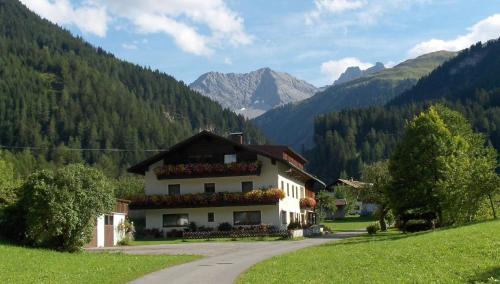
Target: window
{"x":209,"y":187}
{"x":246,"y":218}
{"x":174,"y":189}
{"x":291,"y":217}
{"x":287,"y":189}
{"x":297,"y":192}
{"x":230,"y":158}
{"x":293,"y":191}
{"x":211,"y":217}
{"x":282,"y":185}
{"x":246,"y":186}
{"x":175,"y":220}
{"x":283,"y":217}
{"x":108,"y":219}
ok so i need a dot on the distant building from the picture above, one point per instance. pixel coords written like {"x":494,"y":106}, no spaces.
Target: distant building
{"x":360,"y":207}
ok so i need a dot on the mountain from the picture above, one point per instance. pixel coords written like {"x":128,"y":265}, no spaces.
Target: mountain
{"x":469,"y":83}
{"x":252,"y":94}
{"x":59,"y":92}
{"x":293,"y":123}
{"x":354,"y":72}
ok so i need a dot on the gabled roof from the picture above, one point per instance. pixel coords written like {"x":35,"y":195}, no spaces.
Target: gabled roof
{"x":272,"y":153}
{"x":353,"y":183}
{"x":277,"y":151}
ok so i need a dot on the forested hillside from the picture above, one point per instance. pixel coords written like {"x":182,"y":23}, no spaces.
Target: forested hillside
{"x":469,"y":83}
{"x":292,"y":124}
{"x":59,"y":92}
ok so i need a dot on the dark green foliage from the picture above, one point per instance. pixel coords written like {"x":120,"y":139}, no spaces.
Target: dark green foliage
{"x":372,"y":229}
{"x":469,"y":83}
{"x":59,"y":93}
{"x":292,"y":124}
{"x":224,"y":227}
{"x":294,"y":226}
{"x":59,"y":209}
{"x":413,"y":226}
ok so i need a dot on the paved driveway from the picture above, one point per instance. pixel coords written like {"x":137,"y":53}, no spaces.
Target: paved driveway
{"x":223,"y":263}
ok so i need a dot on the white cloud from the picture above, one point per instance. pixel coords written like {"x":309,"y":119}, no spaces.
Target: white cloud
{"x":483,"y":30}
{"x":228,"y":61}
{"x":332,"y":6}
{"x":181,"y":19}
{"x":90,"y":17}
{"x":196,"y":26}
{"x":333,"y":68}
{"x":129,"y":46}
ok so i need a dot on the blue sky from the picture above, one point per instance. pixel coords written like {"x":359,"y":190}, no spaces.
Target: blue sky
{"x":314,"y":40}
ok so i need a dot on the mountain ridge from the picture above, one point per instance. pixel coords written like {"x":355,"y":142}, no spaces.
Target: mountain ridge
{"x":252,"y":93}
{"x":292,"y":124}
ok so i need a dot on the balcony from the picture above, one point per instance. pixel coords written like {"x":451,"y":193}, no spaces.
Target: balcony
{"x":203,"y":170}
{"x":219,"y":199}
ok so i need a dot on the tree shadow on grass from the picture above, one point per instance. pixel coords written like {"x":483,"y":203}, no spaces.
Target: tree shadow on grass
{"x":491,"y":275}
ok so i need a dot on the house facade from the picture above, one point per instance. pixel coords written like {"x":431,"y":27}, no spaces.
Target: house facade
{"x":208,"y":179}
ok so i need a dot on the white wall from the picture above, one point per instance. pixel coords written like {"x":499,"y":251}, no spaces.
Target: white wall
{"x":291,"y":202}
{"x":100,"y":231}
{"x":118,"y":218}
{"x":268,"y":177}
{"x":154,"y":217}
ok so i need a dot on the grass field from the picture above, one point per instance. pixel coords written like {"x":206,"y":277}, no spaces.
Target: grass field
{"x":349,"y":223}
{"x":27,"y":265}
{"x":215,"y":240}
{"x":455,"y":255}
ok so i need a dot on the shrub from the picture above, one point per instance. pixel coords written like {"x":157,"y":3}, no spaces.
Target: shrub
{"x":192,"y":227}
{"x":60,"y":208}
{"x":149,"y":233}
{"x":225,"y":227}
{"x":294,"y":226}
{"x":417,"y":225}
{"x":372,"y":229}
{"x":128,"y":230}
{"x":174,"y":234}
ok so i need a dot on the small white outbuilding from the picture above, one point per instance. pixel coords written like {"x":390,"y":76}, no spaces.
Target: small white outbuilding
{"x":106,"y":232}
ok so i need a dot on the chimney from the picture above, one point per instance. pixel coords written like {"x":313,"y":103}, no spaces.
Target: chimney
{"x":236,"y":137}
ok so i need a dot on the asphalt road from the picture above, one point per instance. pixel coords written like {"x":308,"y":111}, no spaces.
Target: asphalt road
{"x":224,"y":261}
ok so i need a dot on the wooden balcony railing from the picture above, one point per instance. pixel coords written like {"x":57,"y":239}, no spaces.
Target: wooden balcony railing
{"x":207,"y":170}
{"x":219,"y":199}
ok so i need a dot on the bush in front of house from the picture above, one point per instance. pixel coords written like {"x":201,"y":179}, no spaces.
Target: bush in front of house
{"x":58,"y":209}
{"x":225,"y":227}
{"x":413,"y":226}
{"x":372,"y":229}
{"x":294,"y":226}
{"x":126,"y":228}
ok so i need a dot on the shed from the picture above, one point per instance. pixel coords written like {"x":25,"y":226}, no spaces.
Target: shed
{"x":106,"y":232}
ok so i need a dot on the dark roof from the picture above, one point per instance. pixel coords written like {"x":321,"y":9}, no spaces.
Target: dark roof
{"x":277,"y":151}
{"x":271,"y":152}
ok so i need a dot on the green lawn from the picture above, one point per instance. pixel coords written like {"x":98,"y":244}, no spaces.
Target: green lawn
{"x":455,"y":255}
{"x":28,"y":265}
{"x":349,"y":223}
{"x":215,"y":240}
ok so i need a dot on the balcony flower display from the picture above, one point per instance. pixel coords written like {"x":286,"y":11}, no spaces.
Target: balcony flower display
{"x":208,"y":170}
{"x":307,"y":203}
{"x":254,"y":197}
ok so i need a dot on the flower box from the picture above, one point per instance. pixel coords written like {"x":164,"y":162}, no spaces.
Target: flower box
{"x":201,"y":170}
{"x":219,"y":199}
{"x":307,"y":203}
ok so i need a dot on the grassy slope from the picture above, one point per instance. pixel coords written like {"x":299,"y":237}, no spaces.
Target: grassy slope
{"x":26,"y":265}
{"x":349,"y":223}
{"x":456,"y":255}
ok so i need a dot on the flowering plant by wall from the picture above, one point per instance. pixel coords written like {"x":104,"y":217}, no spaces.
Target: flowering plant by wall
{"x":254,"y":197}
{"x":207,"y":170}
{"x":307,"y":203}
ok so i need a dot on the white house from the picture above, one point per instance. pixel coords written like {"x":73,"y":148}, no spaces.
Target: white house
{"x":107,"y":232}
{"x":209,"y":179}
